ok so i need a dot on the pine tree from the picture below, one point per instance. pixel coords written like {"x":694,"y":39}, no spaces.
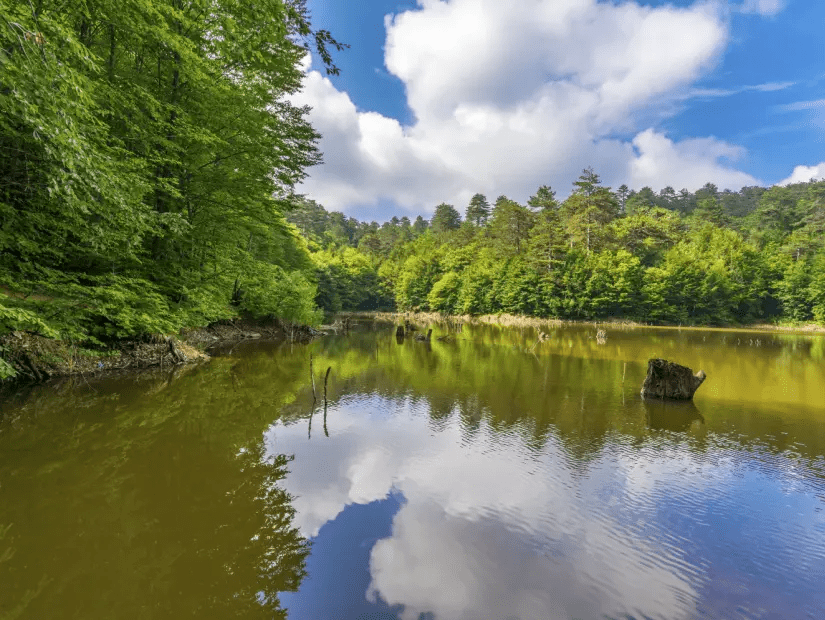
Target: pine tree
{"x":478,"y":211}
{"x":445,"y":218}
{"x":588,"y":209}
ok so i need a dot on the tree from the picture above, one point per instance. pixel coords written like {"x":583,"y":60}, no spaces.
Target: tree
{"x":478,"y":210}
{"x":621,"y":196}
{"x":544,"y":199}
{"x":710,"y":210}
{"x":445,"y":218}
{"x":648,"y":232}
{"x":148,"y":152}
{"x":643,"y":199}
{"x":547,"y":241}
{"x":588,"y":209}
{"x":510,"y":227}
{"x":667,"y":198}
{"x":420,"y":226}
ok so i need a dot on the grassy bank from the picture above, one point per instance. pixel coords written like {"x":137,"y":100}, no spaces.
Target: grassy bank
{"x":511,"y":320}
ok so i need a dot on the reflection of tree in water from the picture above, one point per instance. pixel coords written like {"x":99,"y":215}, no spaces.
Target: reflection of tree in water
{"x":174,"y":526}
{"x":273,"y":559}
{"x":245,"y":552}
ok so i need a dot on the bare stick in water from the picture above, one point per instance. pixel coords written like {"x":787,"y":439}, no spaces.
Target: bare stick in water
{"x":312,"y":376}
{"x":326,"y":378}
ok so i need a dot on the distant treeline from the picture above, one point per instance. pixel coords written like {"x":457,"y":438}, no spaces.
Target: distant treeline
{"x":704,"y":257}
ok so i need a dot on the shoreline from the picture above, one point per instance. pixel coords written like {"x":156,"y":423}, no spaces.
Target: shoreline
{"x":38,"y":359}
{"x":511,"y":320}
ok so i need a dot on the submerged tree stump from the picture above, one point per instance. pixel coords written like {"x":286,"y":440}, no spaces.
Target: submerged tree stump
{"x":668,"y":380}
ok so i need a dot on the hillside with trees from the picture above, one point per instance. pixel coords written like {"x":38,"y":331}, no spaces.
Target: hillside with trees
{"x":708,"y":257}
{"x":148,"y":153}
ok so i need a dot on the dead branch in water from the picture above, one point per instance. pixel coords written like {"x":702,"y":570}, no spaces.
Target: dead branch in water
{"x":312,"y":376}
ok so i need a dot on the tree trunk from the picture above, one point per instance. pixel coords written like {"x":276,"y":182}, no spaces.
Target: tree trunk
{"x":669,"y":380}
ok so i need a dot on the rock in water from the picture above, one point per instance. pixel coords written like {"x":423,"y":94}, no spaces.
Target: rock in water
{"x":668,"y":380}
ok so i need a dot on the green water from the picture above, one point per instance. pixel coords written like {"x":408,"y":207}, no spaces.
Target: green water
{"x":492,"y":477}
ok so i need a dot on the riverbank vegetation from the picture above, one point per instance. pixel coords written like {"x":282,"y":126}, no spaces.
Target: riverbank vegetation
{"x":147,"y":154}
{"x":708,"y":257}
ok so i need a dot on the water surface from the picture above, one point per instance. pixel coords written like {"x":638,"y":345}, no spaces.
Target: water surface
{"x":493,"y":477}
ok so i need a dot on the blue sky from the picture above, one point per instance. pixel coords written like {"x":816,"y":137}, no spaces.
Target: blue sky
{"x":439,"y":100}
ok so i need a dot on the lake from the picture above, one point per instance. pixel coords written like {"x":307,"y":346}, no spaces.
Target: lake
{"x":490,"y":477}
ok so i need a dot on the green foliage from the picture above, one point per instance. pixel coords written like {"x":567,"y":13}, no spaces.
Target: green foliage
{"x":510,"y":228}
{"x":587,"y":211}
{"x":586,"y":260}
{"x":444,"y":295}
{"x":289,"y":296}
{"x":478,"y":210}
{"x":445,"y":218}
{"x":416,"y":279}
{"x":348,"y":279}
{"x":816,"y":289}
{"x":147,"y":154}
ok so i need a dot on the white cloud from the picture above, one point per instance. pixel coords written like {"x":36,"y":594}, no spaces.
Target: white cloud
{"x":803,"y":174}
{"x":689,"y":163}
{"x":508,"y":97}
{"x":762,"y":7}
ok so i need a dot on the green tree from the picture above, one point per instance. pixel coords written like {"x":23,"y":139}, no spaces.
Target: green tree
{"x":445,"y":218}
{"x":148,"y":152}
{"x":643,"y":199}
{"x":420,"y":226}
{"x":710,"y":210}
{"x":544,"y":199}
{"x":588,"y":209}
{"x":478,"y":210}
{"x":622,"y":194}
{"x":510,"y":227}
{"x":647,"y":233}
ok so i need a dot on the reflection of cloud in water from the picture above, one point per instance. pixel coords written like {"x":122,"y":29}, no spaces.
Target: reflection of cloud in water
{"x":489,"y":529}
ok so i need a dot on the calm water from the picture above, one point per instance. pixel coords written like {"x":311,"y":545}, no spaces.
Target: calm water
{"x":487,"y":478}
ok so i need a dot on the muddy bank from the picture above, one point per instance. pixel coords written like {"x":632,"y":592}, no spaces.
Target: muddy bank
{"x":36,"y":358}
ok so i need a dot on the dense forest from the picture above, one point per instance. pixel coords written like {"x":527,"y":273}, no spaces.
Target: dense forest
{"x":147,"y":154}
{"x":704,"y":257}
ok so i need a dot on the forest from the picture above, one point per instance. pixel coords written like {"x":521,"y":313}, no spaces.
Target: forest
{"x":148,"y":162}
{"x":148,"y":152}
{"x":708,"y":257}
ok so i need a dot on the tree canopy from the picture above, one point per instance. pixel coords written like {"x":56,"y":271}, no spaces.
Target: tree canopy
{"x":710,"y":257}
{"x":147,"y":157}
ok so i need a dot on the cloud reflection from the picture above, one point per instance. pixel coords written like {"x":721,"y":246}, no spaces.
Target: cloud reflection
{"x":489,"y":528}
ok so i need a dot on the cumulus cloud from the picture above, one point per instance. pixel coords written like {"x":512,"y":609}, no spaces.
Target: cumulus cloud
{"x":689,"y":163}
{"x":803,"y":174}
{"x":508,"y":97}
